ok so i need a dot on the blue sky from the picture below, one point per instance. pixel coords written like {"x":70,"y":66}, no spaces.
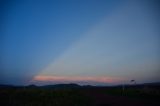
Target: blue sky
{"x":92,"y":41}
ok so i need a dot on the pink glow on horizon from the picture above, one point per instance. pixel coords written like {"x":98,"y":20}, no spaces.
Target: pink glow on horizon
{"x":45,"y":78}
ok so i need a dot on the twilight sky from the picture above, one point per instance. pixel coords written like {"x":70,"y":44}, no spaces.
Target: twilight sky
{"x":98,"y":42}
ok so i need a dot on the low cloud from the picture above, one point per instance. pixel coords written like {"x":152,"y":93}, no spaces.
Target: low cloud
{"x":76,"y":79}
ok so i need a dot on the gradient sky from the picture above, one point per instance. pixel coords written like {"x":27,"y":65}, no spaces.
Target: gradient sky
{"x":79,"y":41}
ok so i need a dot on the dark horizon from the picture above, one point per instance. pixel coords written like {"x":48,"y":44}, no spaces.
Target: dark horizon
{"x":92,"y":85}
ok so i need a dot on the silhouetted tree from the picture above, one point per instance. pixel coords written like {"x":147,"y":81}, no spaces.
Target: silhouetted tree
{"x":133,"y":81}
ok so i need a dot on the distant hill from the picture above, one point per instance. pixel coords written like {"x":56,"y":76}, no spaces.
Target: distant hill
{"x":61,"y":86}
{"x":72,"y":85}
{"x":153,"y":84}
{"x":6,"y":86}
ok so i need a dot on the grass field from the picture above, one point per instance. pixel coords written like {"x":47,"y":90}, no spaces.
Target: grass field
{"x":92,"y":96}
{"x":42,"y":97}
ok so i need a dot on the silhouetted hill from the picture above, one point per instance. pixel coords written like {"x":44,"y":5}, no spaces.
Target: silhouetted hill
{"x":6,"y":86}
{"x":32,"y":86}
{"x":72,"y":85}
{"x":153,"y":84}
{"x":62,"y":86}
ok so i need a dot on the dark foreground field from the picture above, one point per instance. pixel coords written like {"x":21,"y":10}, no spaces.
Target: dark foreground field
{"x":80,"y":96}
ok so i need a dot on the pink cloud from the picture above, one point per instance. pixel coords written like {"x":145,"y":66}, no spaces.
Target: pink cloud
{"x":46,"y":78}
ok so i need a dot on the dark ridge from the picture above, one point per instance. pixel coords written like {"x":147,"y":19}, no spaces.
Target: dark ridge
{"x":32,"y":86}
{"x":73,"y":85}
{"x":61,"y":86}
{"x":6,"y":86}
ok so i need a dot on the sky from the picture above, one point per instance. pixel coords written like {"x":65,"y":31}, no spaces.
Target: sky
{"x":97,"y":42}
